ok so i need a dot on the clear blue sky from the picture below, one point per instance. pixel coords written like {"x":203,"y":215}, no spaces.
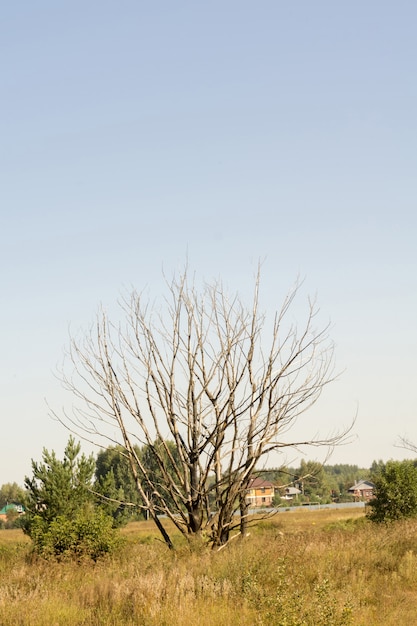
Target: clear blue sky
{"x":136,"y":133}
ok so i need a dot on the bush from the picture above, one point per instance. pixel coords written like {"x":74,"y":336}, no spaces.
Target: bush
{"x":61,"y":516}
{"x":395,"y":492}
{"x":89,"y":535}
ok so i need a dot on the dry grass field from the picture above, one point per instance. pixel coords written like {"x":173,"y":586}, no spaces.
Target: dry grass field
{"x":321,"y":568}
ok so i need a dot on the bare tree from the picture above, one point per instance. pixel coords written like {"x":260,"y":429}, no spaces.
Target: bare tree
{"x":206,"y":373}
{"x":407,"y":444}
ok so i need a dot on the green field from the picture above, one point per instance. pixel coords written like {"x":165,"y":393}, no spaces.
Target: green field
{"x":315,"y":568}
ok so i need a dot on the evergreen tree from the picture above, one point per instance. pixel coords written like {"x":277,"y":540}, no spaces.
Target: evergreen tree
{"x":61,"y":517}
{"x":59,"y":487}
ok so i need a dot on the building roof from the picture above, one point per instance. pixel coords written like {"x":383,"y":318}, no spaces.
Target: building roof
{"x":10,"y":507}
{"x":361,"y":485}
{"x":259,"y":483}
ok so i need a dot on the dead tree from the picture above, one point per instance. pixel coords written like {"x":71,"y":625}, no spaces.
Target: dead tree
{"x":208,"y":374}
{"x":407,"y":444}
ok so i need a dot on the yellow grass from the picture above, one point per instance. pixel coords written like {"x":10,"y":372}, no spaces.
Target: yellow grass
{"x":321,"y":568}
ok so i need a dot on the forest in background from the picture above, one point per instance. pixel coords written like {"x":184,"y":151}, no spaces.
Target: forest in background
{"x":113,"y":479}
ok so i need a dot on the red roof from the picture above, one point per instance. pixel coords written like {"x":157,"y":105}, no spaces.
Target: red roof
{"x":258,"y":483}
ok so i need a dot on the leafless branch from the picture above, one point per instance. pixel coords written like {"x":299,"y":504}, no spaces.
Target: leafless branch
{"x":210,"y":376}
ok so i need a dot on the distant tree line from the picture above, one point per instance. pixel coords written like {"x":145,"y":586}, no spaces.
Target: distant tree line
{"x":74,"y":506}
{"x":318,"y":482}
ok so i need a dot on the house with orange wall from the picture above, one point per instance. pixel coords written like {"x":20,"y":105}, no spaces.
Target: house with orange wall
{"x":260,"y":492}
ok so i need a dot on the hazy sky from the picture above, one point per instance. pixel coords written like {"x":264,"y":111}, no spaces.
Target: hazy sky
{"x":134,"y":134}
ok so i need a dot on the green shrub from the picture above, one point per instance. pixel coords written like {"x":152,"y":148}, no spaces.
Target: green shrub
{"x":395,"y":492}
{"x":89,"y":535}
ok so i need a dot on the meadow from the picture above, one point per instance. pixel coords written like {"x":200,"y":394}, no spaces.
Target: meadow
{"x":302,"y":568}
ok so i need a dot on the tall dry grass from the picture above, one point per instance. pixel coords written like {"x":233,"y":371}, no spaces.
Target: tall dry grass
{"x":322,"y":568}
